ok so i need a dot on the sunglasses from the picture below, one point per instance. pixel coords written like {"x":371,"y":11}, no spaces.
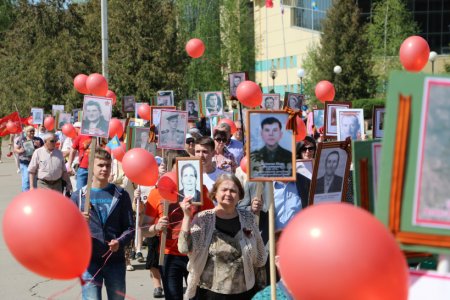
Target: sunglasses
{"x":190,"y":140}
{"x":219,"y":140}
{"x":308,"y":149}
{"x":52,"y":141}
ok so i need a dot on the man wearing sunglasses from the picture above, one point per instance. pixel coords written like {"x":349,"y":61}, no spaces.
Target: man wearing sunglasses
{"x":48,"y":166}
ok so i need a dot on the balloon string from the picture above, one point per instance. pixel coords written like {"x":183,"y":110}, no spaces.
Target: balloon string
{"x":62,"y":291}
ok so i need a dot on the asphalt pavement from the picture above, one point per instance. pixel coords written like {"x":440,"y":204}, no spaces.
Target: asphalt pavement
{"x":18,"y":283}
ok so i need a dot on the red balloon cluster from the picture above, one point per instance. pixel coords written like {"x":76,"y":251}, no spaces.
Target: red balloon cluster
{"x":229,"y":123}
{"x":167,"y":186}
{"x":195,"y":48}
{"x":140,"y":167}
{"x":49,"y":123}
{"x":249,"y":94}
{"x":112,"y":95}
{"x":325,"y":91}
{"x":47,"y":234}
{"x":115,"y":128}
{"x":79,"y":83}
{"x":414,"y":53}
{"x":346,"y":250}
{"x":69,"y":130}
{"x":144,"y":111}
{"x":95,"y":84}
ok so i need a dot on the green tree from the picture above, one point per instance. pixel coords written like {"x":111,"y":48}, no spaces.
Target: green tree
{"x":390,"y":25}
{"x":341,"y":43}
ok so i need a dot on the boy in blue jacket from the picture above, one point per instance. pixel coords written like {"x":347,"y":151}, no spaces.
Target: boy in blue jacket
{"x":111,"y":225}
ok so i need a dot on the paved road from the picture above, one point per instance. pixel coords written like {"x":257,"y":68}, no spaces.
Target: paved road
{"x":17,"y":283}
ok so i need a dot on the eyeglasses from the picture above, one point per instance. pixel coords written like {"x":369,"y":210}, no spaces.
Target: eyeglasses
{"x":304,"y":149}
{"x":52,"y":141}
{"x":220,"y":140}
{"x":190,"y":140}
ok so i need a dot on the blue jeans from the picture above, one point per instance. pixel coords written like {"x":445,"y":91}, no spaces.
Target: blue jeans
{"x":173,"y":272}
{"x":82,"y":177}
{"x":26,"y":177}
{"x":113,"y":274}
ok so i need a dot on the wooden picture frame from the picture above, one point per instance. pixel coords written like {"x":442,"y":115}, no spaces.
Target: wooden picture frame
{"x":233,"y":85}
{"x":333,"y":152}
{"x":329,"y":124}
{"x":413,"y":133}
{"x":378,"y":114}
{"x":128,"y":104}
{"x":276,"y":101}
{"x":185,"y":165}
{"x":259,"y":169}
{"x":299,"y":98}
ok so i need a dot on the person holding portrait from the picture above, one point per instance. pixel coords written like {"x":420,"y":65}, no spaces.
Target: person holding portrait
{"x":223,"y":244}
{"x":189,"y":179}
{"x":94,"y":122}
{"x":330,"y":182}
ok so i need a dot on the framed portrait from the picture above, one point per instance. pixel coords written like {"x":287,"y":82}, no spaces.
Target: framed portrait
{"x":193,"y":109}
{"x":330,"y":174}
{"x":318,"y":118}
{"x":155,"y":115}
{"x":293,"y":100}
{"x":138,"y":138}
{"x":165,"y":98}
{"x":413,"y":192}
{"x":305,"y":167}
{"x":136,"y":108}
{"x":61,"y":119}
{"x":128,"y":104}
{"x":378,"y":122}
{"x":172,"y":129}
{"x":330,"y":131}
{"x":212,"y":103}
{"x":270,"y":101}
{"x":57,"y":108}
{"x":38,"y":115}
{"x":133,"y":122}
{"x":234,"y":79}
{"x":271,"y":146}
{"x":350,"y":123}
{"x":28,"y":146}
{"x":76,"y":114}
{"x":96,"y":116}
{"x":190,"y":179}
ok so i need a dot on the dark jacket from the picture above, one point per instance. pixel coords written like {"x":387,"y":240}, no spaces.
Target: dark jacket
{"x":119,"y":225}
{"x":336,"y":185}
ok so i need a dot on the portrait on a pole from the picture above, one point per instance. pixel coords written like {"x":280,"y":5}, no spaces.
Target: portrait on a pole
{"x":155,"y":115}
{"x":96,"y":116}
{"x":165,"y":98}
{"x":128,"y":104}
{"x":271,"y":146}
{"x":350,"y":123}
{"x":190,"y":179}
{"x":172,"y":130}
{"x":38,"y":115}
{"x":212,"y":104}
{"x":293,"y":100}
{"x":234,"y":80}
{"x":378,"y":122}
{"x":330,"y":131}
{"x":61,"y":119}
{"x":270,"y":101}
{"x":193,"y":110}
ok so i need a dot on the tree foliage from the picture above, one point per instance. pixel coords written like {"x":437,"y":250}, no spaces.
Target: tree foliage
{"x":342,"y":43}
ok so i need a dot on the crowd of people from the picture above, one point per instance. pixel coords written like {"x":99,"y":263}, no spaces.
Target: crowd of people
{"x":217,"y":249}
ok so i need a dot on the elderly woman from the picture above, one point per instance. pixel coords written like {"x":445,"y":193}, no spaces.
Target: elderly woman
{"x":224,"y":245}
{"x":306,"y":149}
{"x":223,"y":158}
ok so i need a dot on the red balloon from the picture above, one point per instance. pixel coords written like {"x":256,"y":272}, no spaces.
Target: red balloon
{"x":167,"y":186}
{"x":140,"y":167}
{"x":301,"y":130}
{"x":47,"y":234}
{"x":115,"y":128}
{"x":97,"y":84}
{"x":230,"y":123}
{"x":144,"y":111}
{"x":346,"y":250}
{"x":325,"y":91}
{"x":79,"y":83}
{"x":112,"y":95}
{"x":49,"y":123}
{"x":11,"y":126}
{"x":243,"y":164}
{"x":414,"y":53}
{"x":119,"y":152}
{"x":249,"y":94}
{"x":195,"y":48}
{"x":69,"y":130}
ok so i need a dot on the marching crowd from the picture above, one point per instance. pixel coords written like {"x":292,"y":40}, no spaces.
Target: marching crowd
{"x":218,"y":250}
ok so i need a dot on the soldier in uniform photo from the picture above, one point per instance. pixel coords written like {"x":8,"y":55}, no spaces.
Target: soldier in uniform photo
{"x":213,"y":104}
{"x":192,"y":113}
{"x":272,"y":160}
{"x":172,"y":137}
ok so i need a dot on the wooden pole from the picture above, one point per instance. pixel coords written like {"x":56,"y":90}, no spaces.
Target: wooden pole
{"x":259,"y":188}
{"x":87,"y":203}
{"x":162,"y":246}
{"x":273,"y":270}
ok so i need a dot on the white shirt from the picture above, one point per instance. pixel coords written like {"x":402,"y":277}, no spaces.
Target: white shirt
{"x":210,"y":178}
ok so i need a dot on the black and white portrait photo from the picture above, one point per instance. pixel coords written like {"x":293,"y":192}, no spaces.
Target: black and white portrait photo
{"x":234,"y":80}
{"x":155,"y":115}
{"x":293,"y":100}
{"x":140,"y":135}
{"x":165,"y":98}
{"x":38,"y":115}
{"x":96,"y":116}
{"x":330,"y":173}
{"x":192,"y":109}
{"x":213,"y":104}
{"x":318,"y":118}
{"x":190,"y":179}
{"x":270,"y":101}
{"x":350,"y":123}
{"x":76,"y":114}
{"x":128,"y":103}
{"x":271,"y":146}
{"x":62,"y":118}
{"x":57,"y":109}
{"x":331,"y":118}
{"x":172,"y":129}
{"x":378,"y":122}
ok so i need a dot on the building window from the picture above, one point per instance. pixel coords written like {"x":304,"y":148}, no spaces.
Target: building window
{"x":309,"y":13}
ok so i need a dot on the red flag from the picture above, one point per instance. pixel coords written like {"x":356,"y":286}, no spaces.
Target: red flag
{"x":269,"y":3}
{"x":14,"y":117}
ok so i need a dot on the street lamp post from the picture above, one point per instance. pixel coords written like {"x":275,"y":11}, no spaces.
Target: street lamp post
{"x":273,"y":74}
{"x":432,"y":58}
{"x":301,"y":74}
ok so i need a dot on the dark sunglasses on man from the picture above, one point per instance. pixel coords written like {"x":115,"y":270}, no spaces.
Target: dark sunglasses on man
{"x":304,"y":149}
{"x":190,"y":140}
